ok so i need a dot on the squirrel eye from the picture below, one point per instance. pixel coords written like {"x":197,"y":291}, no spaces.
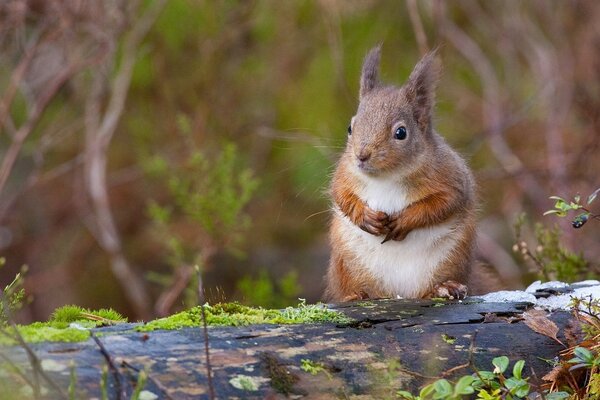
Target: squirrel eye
{"x":400,"y":133}
{"x":349,"y":129}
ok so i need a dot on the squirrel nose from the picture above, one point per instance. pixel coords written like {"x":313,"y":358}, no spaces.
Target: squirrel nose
{"x":364,"y":155}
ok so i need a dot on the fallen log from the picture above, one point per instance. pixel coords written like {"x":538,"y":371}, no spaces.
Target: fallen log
{"x":389,"y":345}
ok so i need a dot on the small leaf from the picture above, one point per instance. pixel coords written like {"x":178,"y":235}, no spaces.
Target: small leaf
{"x":518,"y":368}
{"x":487,"y":375}
{"x":538,"y":321}
{"x":578,"y":366}
{"x":427,"y":391}
{"x":584,"y":354}
{"x":551,"y":212}
{"x":501,"y":363}
{"x":448,"y":339}
{"x":443,"y":388}
{"x":557,"y":198}
{"x":403,"y":394}
{"x":463,"y":386}
{"x":577,"y":198}
{"x":592,"y":196}
{"x":523,"y":389}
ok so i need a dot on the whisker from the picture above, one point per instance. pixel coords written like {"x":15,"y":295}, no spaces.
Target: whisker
{"x":317,"y":213}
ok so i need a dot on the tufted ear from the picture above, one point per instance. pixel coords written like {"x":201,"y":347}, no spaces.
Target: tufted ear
{"x":420,"y":88}
{"x":370,"y":71}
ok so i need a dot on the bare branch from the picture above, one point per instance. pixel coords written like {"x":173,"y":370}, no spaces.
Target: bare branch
{"x":417,"y":24}
{"x":492,"y":107}
{"x":100,"y":128}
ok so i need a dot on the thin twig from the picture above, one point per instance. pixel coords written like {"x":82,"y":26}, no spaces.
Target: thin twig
{"x":165,"y":301}
{"x":36,"y":365}
{"x":15,"y":367}
{"x":201,"y":299}
{"x":415,"y":20}
{"x":100,"y":129}
{"x":121,"y":392}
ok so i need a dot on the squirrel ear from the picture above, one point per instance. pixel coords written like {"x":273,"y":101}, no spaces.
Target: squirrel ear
{"x":370,"y":71}
{"x":420,"y":88}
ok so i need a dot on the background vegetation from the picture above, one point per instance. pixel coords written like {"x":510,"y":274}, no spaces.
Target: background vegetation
{"x":141,"y":138}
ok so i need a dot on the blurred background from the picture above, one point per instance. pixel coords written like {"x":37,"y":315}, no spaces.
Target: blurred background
{"x":140,"y":139}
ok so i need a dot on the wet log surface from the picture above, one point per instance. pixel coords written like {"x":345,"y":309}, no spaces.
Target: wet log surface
{"x":392,"y":344}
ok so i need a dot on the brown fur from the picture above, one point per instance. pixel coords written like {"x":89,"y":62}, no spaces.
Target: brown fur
{"x":438,"y":183}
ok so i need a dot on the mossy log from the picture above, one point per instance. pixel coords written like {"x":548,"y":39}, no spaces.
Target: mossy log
{"x":391,"y":345}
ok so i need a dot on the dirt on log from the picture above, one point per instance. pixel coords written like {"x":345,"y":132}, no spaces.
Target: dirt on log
{"x":392,"y":345}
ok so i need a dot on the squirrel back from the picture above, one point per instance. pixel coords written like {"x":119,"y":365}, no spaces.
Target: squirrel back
{"x":404,"y":201}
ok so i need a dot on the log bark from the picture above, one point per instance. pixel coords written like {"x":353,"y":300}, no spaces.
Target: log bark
{"x":392,"y":345}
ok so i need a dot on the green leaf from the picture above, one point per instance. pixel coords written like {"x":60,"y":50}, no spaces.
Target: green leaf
{"x":523,"y":389}
{"x":518,"y":368}
{"x":592,"y":196}
{"x":584,"y":354}
{"x":552,"y":212}
{"x":403,"y":394}
{"x":448,"y":339}
{"x":443,"y":389}
{"x":487,"y":375}
{"x":427,"y":391}
{"x":501,"y":363}
{"x":518,"y":387}
{"x":464,"y":386}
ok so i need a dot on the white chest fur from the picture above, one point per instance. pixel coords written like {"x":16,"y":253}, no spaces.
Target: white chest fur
{"x":406,"y":267}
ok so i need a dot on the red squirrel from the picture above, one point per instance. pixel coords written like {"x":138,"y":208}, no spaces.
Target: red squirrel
{"x":404,"y":201}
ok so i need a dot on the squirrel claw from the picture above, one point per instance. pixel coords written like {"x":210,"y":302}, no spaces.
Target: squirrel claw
{"x":451,"y":290}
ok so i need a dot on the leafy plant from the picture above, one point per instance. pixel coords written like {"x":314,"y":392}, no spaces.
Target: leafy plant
{"x":13,"y":295}
{"x":563,"y":207}
{"x":486,"y":385}
{"x":207,"y":193}
{"x":549,"y":258}
{"x":313,"y":367}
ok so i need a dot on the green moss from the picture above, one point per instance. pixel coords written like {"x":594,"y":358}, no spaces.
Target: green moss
{"x":44,"y":332}
{"x":58,"y":327}
{"x":235,"y":314}
{"x":70,"y":313}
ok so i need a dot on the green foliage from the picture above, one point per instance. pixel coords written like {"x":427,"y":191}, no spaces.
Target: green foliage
{"x":235,"y":314}
{"x":486,"y":385}
{"x":72,"y":381}
{"x":141,"y":382}
{"x":563,"y":207}
{"x":584,"y":358}
{"x":549,"y":257}
{"x":67,"y":314}
{"x":13,"y":295}
{"x":262,"y":291}
{"x":207,"y":192}
{"x":58,"y":328}
{"x":313,"y":367}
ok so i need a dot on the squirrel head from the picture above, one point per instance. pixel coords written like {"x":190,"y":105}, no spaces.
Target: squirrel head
{"x":392,"y":129}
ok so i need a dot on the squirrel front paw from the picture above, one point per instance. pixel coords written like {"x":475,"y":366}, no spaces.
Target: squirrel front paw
{"x":396,"y":229}
{"x":449,"y":290}
{"x":374,"y":222}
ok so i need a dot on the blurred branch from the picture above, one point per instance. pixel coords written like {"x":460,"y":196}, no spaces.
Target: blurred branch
{"x":36,"y":113}
{"x":100,"y":128}
{"x":492,"y":108}
{"x":417,"y":24}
